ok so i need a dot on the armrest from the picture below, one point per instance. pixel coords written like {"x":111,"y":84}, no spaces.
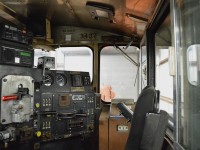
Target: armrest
{"x":125,"y":111}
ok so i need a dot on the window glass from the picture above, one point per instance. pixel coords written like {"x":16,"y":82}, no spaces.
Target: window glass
{"x":143,"y":67}
{"x":118,"y":74}
{"x":164,"y":82}
{"x":75,"y":59}
{"x":187,"y":42}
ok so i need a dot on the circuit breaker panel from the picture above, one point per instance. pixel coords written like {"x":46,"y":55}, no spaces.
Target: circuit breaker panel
{"x":17,"y":100}
{"x":17,"y":94}
{"x":36,"y":110}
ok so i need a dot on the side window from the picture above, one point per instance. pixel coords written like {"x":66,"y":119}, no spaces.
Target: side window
{"x":118,"y":73}
{"x":143,"y":67}
{"x":164,"y":82}
{"x":188,"y":73}
{"x":70,"y":58}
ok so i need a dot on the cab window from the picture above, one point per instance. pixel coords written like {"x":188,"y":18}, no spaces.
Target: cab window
{"x":70,"y":58}
{"x":118,"y":73}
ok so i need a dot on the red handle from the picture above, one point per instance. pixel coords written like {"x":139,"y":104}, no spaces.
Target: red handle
{"x":10,"y":97}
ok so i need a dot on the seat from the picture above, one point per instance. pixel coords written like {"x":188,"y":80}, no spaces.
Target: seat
{"x":154,"y":131}
{"x":148,"y":125}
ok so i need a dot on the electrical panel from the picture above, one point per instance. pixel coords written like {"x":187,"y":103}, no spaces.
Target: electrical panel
{"x":37,"y":109}
{"x":66,"y":105}
{"x":17,"y":94}
{"x":14,"y":34}
{"x":15,"y":46}
{"x":71,"y":115}
{"x":16,"y":54}
{"x":40,"y":107}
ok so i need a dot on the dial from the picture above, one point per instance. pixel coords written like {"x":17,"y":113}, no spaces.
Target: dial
{"x":61,"y":80}
{"x":48,"y":80}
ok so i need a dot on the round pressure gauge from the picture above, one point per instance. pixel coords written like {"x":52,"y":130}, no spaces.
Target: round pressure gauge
{"x":61,"y":80}
{"x":48,"y":80}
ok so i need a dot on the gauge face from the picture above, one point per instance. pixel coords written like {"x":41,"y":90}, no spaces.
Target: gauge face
{"x":61,"y":80}
{"x":48,"y":80}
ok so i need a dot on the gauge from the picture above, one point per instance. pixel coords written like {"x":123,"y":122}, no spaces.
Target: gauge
{"x":48,"y":80}
{"x":61,"y":80}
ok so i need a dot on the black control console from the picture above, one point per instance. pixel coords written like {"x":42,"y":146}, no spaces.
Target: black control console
{"x":16,"y":54}
{"x":64,"y":115}
{"x":37,"y":111}
{"x":42,"y":106}
{"x":65,"y":105}
{"x":15,"y":46}
{"x":14,"y":34}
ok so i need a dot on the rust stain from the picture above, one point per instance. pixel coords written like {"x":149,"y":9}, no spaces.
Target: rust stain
{"x":128,"y":21}
{"x":130,"y":24}
{"x":130,"y":4}
{"x":144,"y":7}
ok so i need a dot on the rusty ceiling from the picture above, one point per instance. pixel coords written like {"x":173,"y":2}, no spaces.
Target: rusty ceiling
{"x":75,"y":13}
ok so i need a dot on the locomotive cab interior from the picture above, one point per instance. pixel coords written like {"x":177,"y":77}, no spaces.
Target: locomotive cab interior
{"x":71,"y":72}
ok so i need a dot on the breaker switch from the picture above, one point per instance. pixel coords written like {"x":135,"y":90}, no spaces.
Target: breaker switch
{"x":10,"y":97}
